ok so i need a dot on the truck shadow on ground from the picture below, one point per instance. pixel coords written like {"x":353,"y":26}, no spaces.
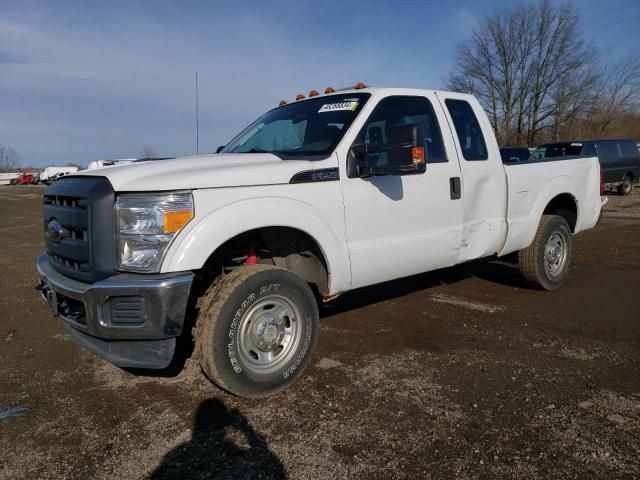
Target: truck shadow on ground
{"x":504,"y":272}
{"x":223,"y":445}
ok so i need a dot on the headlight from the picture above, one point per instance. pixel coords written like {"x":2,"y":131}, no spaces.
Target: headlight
{"x":146,"y":226}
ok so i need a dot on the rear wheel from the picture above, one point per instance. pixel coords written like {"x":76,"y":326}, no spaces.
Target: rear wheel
{"x":626,"y":187}
{"x":256,"y":330}
{"x":545,"y":263}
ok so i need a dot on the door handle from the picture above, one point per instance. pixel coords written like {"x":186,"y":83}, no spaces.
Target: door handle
{"x":455,"y":188}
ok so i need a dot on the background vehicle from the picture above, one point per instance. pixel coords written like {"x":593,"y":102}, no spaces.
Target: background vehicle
{"x":316,"y":197}
{"x":515,"y":154}
{"x":109,"y":163}
{"x":36,"y":178}
{"x":7,"y":178}
{"x":23,"y":179}
{"x":55,"y":177}
{"x":619,"y":159}
{"x":48,"y":172}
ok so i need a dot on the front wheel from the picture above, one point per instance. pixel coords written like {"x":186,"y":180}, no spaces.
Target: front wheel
{"x":545,"y":263}
{"x":626,"y":187}
{"x":256,"y":330}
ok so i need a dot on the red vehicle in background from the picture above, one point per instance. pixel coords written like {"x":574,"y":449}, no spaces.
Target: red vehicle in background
{"x":24,"y":179}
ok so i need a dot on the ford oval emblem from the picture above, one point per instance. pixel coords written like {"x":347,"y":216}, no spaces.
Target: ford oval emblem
{"x":55,"y":231}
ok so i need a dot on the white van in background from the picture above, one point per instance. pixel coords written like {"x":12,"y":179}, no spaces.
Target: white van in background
{"x":49,"y":172}
{"x":109,"y":163}
{"x":5,"y":178}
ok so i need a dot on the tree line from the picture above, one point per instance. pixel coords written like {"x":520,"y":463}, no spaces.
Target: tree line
{"x":539,"y":80}
{"x":9,"y":159}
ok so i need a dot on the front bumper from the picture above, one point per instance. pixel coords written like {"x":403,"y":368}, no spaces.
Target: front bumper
{"x":131,"y":320}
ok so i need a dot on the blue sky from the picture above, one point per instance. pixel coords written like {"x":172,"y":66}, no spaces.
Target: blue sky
{"x":81,"y":81}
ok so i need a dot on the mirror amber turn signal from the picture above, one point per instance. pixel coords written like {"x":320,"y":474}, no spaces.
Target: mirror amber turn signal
{"x":417,"y":155}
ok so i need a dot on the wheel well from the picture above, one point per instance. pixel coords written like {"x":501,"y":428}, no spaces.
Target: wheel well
{"x":564,"y":205}
{"x":285,"y":247}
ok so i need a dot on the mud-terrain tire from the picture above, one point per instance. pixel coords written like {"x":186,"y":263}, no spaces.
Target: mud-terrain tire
{"x":546,"y":262}
{"x":626,"y":187}
{"x":256,"y":330}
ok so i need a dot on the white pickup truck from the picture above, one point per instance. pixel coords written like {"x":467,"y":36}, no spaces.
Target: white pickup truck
{"x":317,"y":197}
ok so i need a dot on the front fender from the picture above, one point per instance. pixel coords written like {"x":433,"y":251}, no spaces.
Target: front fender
{"x":212,"y":227}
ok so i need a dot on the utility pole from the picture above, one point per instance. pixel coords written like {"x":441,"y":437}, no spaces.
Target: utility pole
{"x":197,"y":120}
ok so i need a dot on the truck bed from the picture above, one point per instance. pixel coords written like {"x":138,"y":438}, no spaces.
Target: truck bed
{"x":532,"y":185}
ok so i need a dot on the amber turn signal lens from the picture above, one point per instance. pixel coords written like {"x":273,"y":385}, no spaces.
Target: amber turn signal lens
{"x":329,"y":90}
{"x":282,"y":102}
{"x":360,"y":85}
{"x":300,"y":97}
{"x":313,"y":93}
{"x":417,"y":155}
{"x":174,"y":221}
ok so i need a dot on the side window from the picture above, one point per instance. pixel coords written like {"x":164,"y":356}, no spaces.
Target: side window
{"x":608,"y":151}
{"x":392,"y":111}
{"x":629,"y":150}
{"x":468,"y":130}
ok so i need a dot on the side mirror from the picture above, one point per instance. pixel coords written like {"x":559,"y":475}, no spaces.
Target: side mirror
{"x":405,"y":154}
{"x":220,"y":148}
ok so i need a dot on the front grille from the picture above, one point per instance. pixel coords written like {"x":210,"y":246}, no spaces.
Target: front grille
{"x":81,"y":210}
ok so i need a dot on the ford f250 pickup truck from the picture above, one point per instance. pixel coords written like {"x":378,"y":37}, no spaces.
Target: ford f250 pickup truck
{"x":317,"y":197}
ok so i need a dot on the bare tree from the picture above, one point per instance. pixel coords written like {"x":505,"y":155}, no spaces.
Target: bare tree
{"x":519,"y":62}
{"x":148,"y":152}
{"x":573,"y":100}
{"x":9,"y":159}
{"x":617,"y":94}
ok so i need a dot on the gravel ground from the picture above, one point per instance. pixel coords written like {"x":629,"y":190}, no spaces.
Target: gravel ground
{"x":460,"y":373}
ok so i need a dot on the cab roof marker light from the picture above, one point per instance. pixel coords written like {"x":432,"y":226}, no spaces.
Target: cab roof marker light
{"x":329,"y":90}
{"x":300,"y":97}
{"x":360,"y":86}
{"x":282,"y":102}
{"x":313,"y":93}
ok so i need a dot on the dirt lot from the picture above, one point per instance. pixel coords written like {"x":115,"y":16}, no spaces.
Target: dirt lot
{"x":461,"y":373}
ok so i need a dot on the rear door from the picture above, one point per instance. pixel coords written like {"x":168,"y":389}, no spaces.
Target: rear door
{"x":484,"y":190}
{"x":401,"y":225}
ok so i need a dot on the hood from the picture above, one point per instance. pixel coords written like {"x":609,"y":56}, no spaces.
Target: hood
{"x":202,"y":171}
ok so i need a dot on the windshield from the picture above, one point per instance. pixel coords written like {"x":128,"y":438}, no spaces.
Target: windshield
{"x":310,"y":127}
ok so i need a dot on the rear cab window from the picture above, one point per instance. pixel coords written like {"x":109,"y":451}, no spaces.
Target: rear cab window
{"x":561,"y":149}
{"x":468,"y":130}
{"x":514,"y":154}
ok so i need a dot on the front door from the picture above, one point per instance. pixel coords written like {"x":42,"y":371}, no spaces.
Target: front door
{"x":402,"y":225}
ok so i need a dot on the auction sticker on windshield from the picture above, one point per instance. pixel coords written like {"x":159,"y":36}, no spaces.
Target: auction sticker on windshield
{"x":333,"y":107}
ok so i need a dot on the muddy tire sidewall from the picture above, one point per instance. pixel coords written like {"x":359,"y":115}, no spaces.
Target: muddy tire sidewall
{"x":220,"y":337}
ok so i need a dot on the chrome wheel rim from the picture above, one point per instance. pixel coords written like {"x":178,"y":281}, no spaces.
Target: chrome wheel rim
{"x":269,"y":334}
{"x":555,"y":255}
